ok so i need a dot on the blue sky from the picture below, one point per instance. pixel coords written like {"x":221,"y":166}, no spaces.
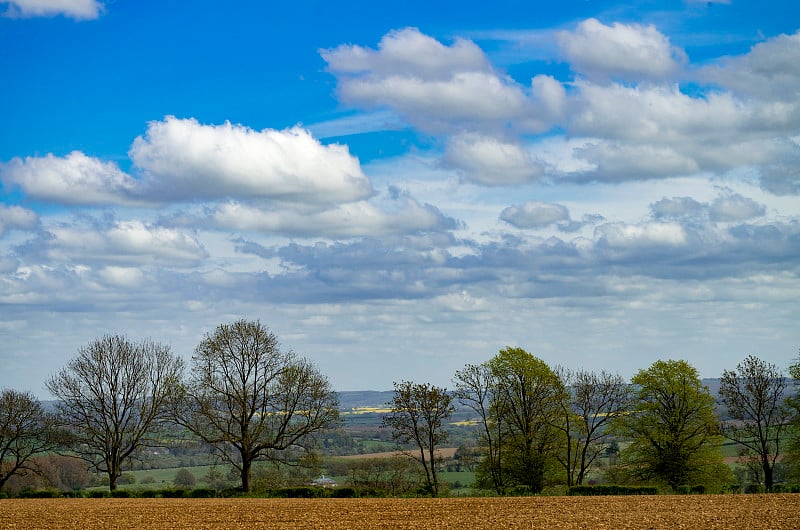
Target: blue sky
{"x":397,"y":191}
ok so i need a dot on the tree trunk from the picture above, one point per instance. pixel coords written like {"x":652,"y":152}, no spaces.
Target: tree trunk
{"x":767,"y":476}
{"x":246,"y":464}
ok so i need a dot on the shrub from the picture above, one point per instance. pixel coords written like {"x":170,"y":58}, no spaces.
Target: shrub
{"x":126,"y":478}
{"x":699,"y":489}
{"x":39,"y":494}
{"x":344,"y":493}
{"x":519,"y":491}
{"x":3,"y":495}
{"x":75,"y":494}
{"x":121,"y":494}
{"x":98,"y":494}
{"x":301,"y":492}
{"x":754,"y":488}
{"x":176,"y":493}
{"x":682,"y":490}
{"x":184,"y":478}
{"x":149,"y":494}
{"x":203,"y":493}
{"x":612,"y":490}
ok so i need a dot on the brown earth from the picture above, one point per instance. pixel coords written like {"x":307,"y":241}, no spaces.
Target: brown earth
{"x":775,"y":511}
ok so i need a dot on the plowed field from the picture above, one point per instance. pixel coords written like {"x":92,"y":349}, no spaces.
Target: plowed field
{"x":644,"y":512}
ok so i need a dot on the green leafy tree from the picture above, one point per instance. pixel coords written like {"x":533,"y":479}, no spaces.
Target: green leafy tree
{"x":114,"y":396}
{"x":26,"y":430}
{"x":249,"y":399}
{"x":418,"y":413}
{"x":755,"y":397}
{"x":673,"y":427}
{"x":529,"y":394}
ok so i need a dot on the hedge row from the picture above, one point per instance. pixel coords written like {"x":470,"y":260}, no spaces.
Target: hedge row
{"x":612,"y":490}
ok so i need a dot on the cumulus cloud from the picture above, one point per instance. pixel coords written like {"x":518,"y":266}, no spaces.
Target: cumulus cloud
{"x":770,"y":70}
{"x":490,"y":161}
{"x":74,"y":179}
{"x":357,"y":219}
{"x":183,"y":159}
{"x":646,"y":235}
{"x":132,"y":242}
{"x":535,"y":214}
{"x":16,"y":217}
{"x":408,"y":52}
{"x":677,"y":208}
{"x":620,"y":51}
{"x":726,"y":207}
{"x":734,"y":207}
{"x":437,"y":87}
{"x":76,"y":9}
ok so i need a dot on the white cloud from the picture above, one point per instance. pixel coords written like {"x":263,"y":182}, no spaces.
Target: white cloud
{"x":77,"y":9}
{"x":734,"y":207}
{"x":620,"y":51}
{"x":124,"y":242}
{"x":771,"y":70}
{"x":126,"y":277}
{"x":183,"y":159}
{"x":356,"y":219}
{"x":646,"y":235}
{"x":73,"y":179}
{"x":676,"y":208}
{"x":408,"y":52}
{"x":490,"y":161}
{"x":17,"y":217}
{"x":436,"y":87}
{"x":535,"y":214}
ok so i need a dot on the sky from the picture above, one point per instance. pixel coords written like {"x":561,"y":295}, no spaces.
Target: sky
{"x":399,"y":189}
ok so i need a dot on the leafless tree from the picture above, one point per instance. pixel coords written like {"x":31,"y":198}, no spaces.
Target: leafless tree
{"x":114,"y":396}
{"x":755,"y":396}
{"x":476,"y":389}
{"x":26,"y":430}
{"x":417,"y":416}
{"x":250,"y":400}
{"x":590,"y":404}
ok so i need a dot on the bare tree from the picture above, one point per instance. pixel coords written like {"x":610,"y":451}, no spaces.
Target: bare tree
{"x":476,"y":389}
{"x":755,"y":396}
{"x":249,"y":399}
{"x":417,"y":416}
{"x":26,"y":431}
{"x":114,"y":396}
{"x":589,"y":406}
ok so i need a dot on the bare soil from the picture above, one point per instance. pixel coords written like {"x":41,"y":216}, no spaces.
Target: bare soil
{"x":776,"y":511}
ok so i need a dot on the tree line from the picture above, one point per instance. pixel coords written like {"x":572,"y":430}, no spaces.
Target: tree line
{"x":249,"y":400}
{"x":539,"y":425}
{"x":245,"y":396}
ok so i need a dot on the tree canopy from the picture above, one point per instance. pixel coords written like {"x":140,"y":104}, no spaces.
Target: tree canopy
{"x":249,"y":399}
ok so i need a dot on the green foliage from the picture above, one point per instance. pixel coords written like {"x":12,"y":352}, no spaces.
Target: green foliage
{"x":529,"y":396}
{"x":127,"y":478}
{"x":612,"y":490}
{"x":122,"y":494}
{"x":40,"y":494}
{"x":673,"y":429}
{"x":203,"y":493}
{"x":184,"y":478}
